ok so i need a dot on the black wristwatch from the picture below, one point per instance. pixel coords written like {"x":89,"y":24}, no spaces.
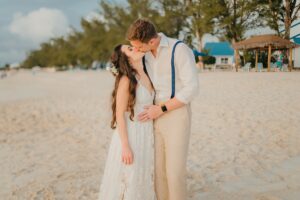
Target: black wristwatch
{"x":164,"y":108}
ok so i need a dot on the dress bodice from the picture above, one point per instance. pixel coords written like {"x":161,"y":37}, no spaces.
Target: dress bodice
{"x":143,"y":97}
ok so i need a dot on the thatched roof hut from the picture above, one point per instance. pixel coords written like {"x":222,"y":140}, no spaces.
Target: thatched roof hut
{"x":263,"y":42}
{"x":267,"y":42}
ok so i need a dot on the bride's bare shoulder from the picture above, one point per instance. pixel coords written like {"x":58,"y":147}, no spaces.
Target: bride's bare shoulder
{"x":124,"y":80}
{"x":123,"y":83}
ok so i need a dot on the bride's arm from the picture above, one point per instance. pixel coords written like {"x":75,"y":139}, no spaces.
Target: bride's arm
{"x":121,"y":107}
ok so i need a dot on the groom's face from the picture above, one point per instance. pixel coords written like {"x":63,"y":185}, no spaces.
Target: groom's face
{"x":140,"y":47}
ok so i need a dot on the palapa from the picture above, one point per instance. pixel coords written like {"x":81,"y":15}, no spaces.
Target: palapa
{"x":266,"y":42}
{"x":263,"y":41}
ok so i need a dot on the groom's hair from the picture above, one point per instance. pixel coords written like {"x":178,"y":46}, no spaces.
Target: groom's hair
{"x":142,"y":30}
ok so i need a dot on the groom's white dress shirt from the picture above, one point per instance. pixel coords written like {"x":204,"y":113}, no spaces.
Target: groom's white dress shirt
{"x":159,"y":70}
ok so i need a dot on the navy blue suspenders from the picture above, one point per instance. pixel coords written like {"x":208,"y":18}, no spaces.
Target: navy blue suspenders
{"x":172,"y":68}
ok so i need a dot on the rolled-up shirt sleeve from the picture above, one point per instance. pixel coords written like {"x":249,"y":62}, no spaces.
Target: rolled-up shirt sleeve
{"x":187,"y":74}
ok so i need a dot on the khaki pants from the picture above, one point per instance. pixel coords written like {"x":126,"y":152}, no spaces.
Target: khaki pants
{"x":172,"y":134}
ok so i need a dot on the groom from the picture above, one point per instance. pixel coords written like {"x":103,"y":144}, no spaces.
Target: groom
{"x":175,"y":88}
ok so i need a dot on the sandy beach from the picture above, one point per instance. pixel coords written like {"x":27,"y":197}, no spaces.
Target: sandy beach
{"x":55,"y":133}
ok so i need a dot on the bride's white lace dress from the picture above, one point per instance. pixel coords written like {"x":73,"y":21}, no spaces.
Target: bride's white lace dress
{"x":135,"y":181}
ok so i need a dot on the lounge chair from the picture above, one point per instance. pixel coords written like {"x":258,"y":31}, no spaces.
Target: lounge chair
{"x":3,"y":74}
{"x":260,"y":66}
{"x":285,"y":67}
{"x":246,"y":67}
{"x":273,"y":66}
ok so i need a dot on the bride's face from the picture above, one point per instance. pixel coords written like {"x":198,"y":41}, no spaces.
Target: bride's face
{"x":131,"y":53}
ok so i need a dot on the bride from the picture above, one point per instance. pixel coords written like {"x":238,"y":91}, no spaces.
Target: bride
{"x":129,"y":169}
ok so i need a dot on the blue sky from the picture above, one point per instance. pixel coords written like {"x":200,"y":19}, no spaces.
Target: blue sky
{"x":23,"y":26}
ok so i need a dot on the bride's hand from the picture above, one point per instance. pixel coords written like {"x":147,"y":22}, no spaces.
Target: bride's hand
{"x":127,"y":155}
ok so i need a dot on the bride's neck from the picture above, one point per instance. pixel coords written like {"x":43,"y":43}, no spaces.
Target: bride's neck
{"x":138,"y":66}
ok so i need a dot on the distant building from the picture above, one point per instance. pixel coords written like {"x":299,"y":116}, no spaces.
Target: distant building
{"x":14,"y":66}
{"x":295,"y":37}
{"x":222,"y":51}
{"x":297,"y":53}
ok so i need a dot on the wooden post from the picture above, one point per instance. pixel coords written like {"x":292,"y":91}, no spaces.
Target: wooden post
{"x":236,"y":60}
{"x":244,"y":57}
{"x":291,"y":60}
{"x":269,"y":58}
{"x":256,"y":60}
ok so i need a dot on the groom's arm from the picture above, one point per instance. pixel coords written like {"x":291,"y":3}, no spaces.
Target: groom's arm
{"x":188,"y":76}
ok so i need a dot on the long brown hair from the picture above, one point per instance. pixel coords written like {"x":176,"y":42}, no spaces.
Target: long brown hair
{"x":121,"y":63}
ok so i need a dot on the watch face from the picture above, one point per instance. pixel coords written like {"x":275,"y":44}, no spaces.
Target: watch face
{"x":164,"y":108}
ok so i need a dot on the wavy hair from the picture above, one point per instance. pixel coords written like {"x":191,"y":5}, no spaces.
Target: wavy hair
{"x":121,"y":63}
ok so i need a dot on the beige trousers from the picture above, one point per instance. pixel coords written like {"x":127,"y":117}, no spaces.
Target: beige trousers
{"x":172,"y":134}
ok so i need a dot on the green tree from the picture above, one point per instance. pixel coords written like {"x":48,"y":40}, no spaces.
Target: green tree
{"x":172,"y":17}
{"x":201,"y":18}
{"x":281,"y":14}
{"x":228,"y":19}
{"x":235,"y":17}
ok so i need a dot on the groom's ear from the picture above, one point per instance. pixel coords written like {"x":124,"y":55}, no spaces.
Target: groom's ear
{"x":151,"y":42}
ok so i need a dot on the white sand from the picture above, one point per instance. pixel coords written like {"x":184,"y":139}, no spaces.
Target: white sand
{"x":245,"y":143}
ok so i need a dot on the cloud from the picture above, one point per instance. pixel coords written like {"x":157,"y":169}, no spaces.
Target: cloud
{"x":94,"y":16}
{"x":39,"y":25}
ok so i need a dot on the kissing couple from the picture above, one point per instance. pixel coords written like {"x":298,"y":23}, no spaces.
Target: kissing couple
{"x":155,"y":81}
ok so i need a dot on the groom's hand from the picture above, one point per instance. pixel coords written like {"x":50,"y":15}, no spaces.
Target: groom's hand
{"x":151,"y":112}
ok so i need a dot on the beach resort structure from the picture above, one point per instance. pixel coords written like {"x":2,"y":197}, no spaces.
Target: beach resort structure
{"x":15,"y":66}
{"x":266,"y":43}
{"x":297,"y":53}
{"x":295,"y":37}
{"x":272,"y":42}
{"x":222,"y":51}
